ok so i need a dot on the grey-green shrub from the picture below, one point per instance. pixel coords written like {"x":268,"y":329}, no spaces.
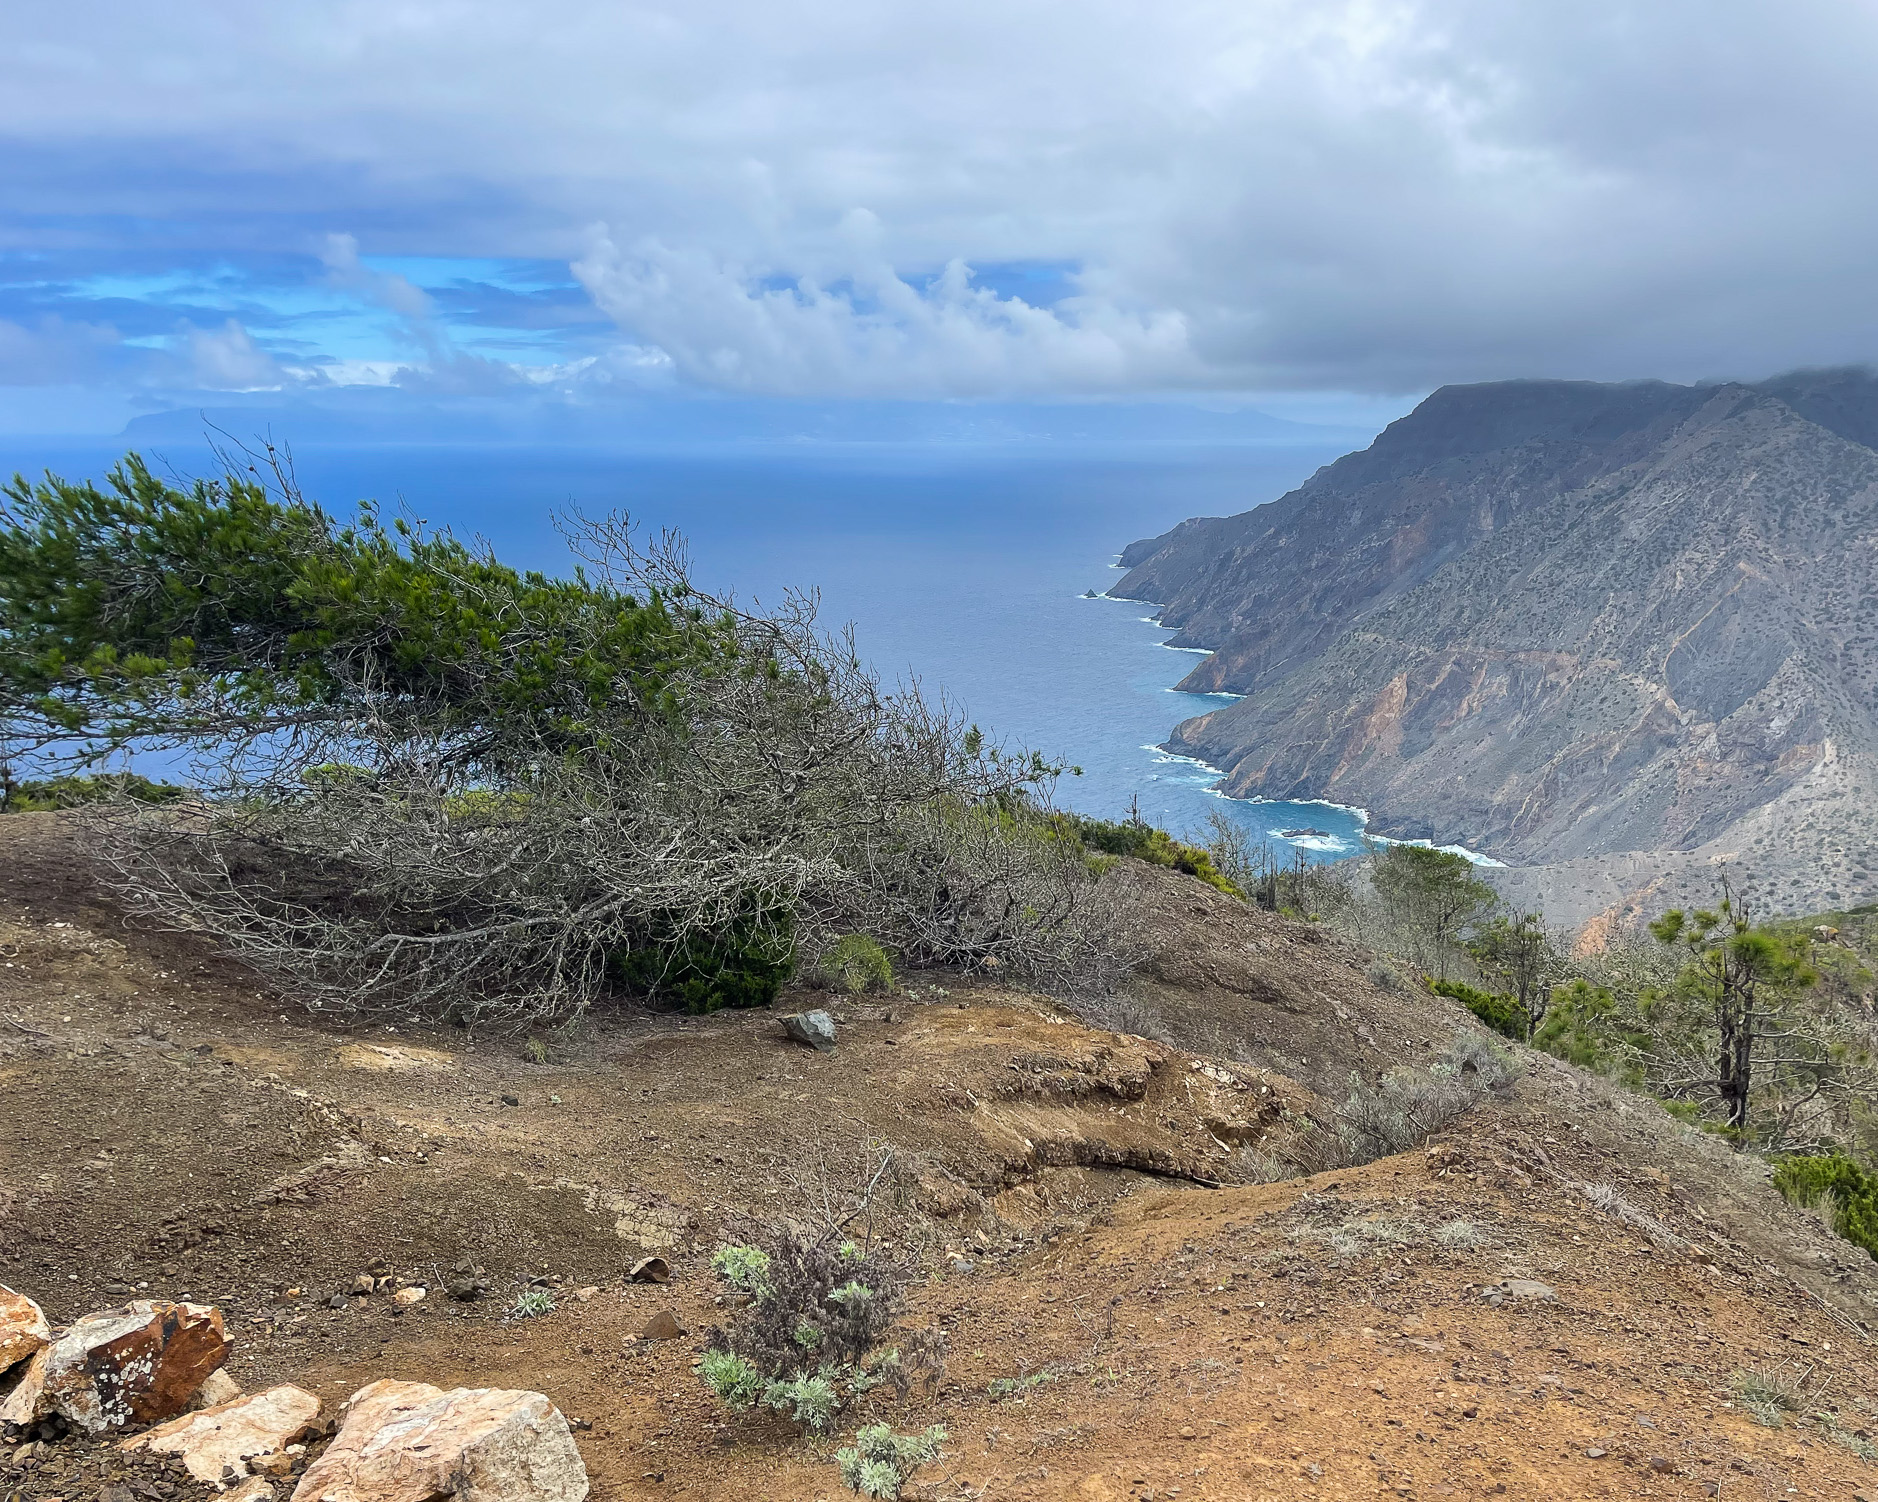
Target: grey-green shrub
{"x":811,"y":1328}
{"x":879,"y":1461}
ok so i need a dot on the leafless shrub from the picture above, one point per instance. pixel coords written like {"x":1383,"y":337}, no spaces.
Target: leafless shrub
{"x":837,"y":1183}
{"x":1475,"y":1057}
{"x":1384,"y":975}
{"x":1606,"y":1198}
{"x":1287,"y":882}
{"x":1120,"y":1012}
{"x":780,"y":796}
{"x":1253,"y":1165}
{"x":921,"y":1366}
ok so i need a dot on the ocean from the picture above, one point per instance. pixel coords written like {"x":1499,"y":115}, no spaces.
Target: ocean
{"x":963,"y":566}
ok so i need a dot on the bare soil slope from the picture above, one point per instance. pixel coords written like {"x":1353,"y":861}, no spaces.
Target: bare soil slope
{"x":164,"y":1121}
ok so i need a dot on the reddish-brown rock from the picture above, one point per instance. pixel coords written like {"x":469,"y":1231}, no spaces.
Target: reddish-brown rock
{"x":409,"y":1442}
{"x":23,"y":1328}
{"x":138,"y":1364}
{"x":230,"y":1434}
{"x":662,"y":1326}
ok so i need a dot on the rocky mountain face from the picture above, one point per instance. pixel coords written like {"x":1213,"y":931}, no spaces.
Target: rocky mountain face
{"x":1614,"y":635}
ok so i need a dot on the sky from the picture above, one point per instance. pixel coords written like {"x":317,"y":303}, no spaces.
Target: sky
{"x":1315,"y":209}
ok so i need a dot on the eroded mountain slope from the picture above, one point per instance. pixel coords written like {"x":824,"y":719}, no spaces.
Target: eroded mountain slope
{"x":1640,"y":624}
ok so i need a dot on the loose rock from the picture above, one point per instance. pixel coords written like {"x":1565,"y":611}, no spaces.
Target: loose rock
{"x":230,"y":1434}
{"x":408,"y":1296}
{"x":410,"y":1442}
{"x":817,"y":1029}
{"x":217,"y":1388}
{"x":662,"y":1326}
{"x":651,"y":1270}
{"x":138,"y":1364}
{"x":23,"y":1328}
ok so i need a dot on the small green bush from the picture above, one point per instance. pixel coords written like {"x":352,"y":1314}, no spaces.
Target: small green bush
{"x":857,"y":963}
{"x":1145,"y":842}
{"x":1501,"y":1013}
{"x":1854,"y":1192}
{"x":744,"y":1268}
{"x":737,"y":1383}
{"x":879,"y":1461}
{"x":531,"y":1303}
{"x":1001,"y":1388}
{"x":810,"y":1330}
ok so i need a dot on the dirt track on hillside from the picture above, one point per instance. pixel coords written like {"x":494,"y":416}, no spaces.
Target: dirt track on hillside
{"x":163,"y":1121}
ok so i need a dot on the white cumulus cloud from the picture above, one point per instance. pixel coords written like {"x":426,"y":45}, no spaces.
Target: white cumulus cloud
{"x":228,"y":359}
{"x":862,"y":329}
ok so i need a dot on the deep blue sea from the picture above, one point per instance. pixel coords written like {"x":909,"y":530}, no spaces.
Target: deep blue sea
{"x":963,"y":566}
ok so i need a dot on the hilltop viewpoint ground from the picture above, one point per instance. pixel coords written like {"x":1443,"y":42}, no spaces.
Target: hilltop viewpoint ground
{"x":1563,"y":1294}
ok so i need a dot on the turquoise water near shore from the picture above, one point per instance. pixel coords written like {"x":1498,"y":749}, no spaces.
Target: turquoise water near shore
{"x":965,"y":567}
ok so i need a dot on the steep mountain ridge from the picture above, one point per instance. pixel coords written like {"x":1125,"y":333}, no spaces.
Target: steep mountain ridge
{"x":1560,"y":621}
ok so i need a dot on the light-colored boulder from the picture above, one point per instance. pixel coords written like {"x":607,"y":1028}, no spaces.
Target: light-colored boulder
{"x":138,"y":1364}
{"x":410,"y":1442}
{"x":233,"y":1433}
{"x":408,"y":1296}
{"x":217,"y":1387}
{"x":23,"y":1328}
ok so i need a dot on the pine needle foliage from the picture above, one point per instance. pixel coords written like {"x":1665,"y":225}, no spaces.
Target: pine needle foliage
{"x":1851,"y":1189}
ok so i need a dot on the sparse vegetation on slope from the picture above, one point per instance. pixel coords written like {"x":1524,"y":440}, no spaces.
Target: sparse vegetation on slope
{"x":1043,"y":1200}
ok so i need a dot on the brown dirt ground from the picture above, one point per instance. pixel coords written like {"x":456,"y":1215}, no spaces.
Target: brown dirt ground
{"x":164,"y":1120}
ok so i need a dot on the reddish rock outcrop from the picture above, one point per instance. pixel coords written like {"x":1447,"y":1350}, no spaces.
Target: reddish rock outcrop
{"x":138,"y":1364}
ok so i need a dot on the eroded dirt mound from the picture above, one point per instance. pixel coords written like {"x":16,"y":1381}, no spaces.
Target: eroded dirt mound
{"x":1228,"y":979}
